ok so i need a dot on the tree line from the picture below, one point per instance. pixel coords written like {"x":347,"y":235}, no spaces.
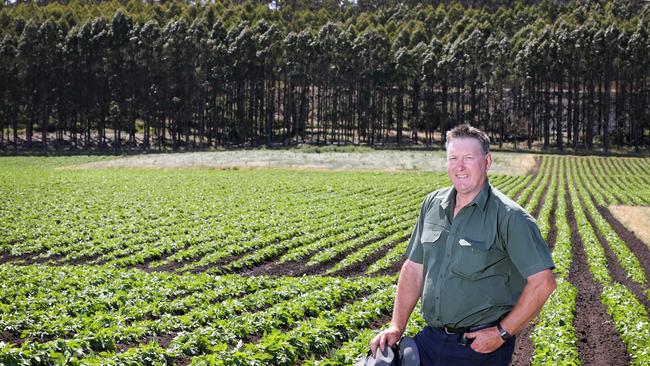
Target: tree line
{"x":175,"y":75}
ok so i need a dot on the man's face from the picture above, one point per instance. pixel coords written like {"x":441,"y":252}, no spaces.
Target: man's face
{"x":467,"y":166}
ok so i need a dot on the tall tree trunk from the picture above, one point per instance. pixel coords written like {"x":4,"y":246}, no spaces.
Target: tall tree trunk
{"x":590,"y":120}
{"x":576,"y":112}
{"x":547,"y":114}
{"x":400,"y":113}
{"x":606,"y":112}
{"x":558,"y":120}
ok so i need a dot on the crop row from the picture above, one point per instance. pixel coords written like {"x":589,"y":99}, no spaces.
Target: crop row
{"x":553,"y":337}
{"x":237,"y":307}
{"x":627,"y":322}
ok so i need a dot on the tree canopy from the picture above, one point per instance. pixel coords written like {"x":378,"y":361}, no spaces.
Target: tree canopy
{"x":118,"y":75}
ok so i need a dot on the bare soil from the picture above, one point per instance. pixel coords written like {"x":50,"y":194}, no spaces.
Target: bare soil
{"x":372,"y":160}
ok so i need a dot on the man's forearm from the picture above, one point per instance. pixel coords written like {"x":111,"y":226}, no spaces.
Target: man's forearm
{"x":409,"y":287}
{"x":537,"y":290}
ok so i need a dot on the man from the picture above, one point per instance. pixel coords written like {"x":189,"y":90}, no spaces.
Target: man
{"x":477,"y":260}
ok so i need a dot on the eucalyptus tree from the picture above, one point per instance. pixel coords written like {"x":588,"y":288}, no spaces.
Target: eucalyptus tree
{"x":51,"y":60}
{"x":524,"y":66}
{"x":9,"y":90}
{"x":177,"y":66}
{"x":30,"y":72}
{"x":94,"y":95}
{"x":444,"y":68}
{"x":298,"y":57}
{"x":607,"y":44}
{"x":638,"y":48}
{"x":217,"y":78}
{"x":72,"y":74}
{"x":347,"y":73}
{"x":621,"y":65}
{"x":497,"y":79}
{"x":563,"y":65}
{"x":119,"y":83}
{"x":327,"y":74}
{"x":545,"y":59}
{"x":184,"y":72}
{"x":421,"y":118}
{"x":590,"y":70}
{"x":403,"y":67}
{"x":199,"y":89}
{"x":241,"y":41}
{"x":476,"y":67}
{"x":578,"y":35}
{"x":148,"y":79}
{"x":454,"y":60}
{"x":372,"y":49}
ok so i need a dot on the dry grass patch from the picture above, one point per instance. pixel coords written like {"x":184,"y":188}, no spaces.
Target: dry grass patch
{"x":375,"y":160}
{"x":635,"y":218}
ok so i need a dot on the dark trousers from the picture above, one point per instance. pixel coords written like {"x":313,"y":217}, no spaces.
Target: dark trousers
{"x":437,"y":348}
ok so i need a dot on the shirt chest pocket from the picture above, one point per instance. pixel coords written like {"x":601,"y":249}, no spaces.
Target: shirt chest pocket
{"x":475,"y":258}
{"x":431,"y":233}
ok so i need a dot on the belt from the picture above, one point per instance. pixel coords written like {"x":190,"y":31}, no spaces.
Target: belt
{"x":473,"y":328}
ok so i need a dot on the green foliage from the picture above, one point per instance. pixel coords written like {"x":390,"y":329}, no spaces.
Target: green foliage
{"x":71,"y":239}
{"x":630,"y":320}
{"x":554,"y":336}
{"x":410,"y":66}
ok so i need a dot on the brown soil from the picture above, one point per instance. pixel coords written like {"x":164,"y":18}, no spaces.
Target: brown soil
{"x":359,"y":269}
{"x":394,"y":269}
{"x":523,"y":348}
{"x":298,"y":268}
{"x":163,"y":340}
{"x":598,"y":341}
{"x":11,"y":338}
{"x":26,"y":259}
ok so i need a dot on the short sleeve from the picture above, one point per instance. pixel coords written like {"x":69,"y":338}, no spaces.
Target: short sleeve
{"x":525,"y":245}
{"x":414,"y":251}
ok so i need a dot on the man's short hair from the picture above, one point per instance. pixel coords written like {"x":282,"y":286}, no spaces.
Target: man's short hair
{"x":467,"y":131}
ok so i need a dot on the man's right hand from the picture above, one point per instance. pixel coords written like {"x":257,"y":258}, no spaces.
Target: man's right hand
{"x":388,"y":337}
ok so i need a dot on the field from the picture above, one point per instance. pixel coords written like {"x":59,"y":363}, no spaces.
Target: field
{"x":120,"y":265}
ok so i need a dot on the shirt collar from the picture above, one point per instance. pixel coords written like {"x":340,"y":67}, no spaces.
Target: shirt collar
{"x":480,"y":200}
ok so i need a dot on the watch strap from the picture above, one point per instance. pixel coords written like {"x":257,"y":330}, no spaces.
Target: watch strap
{"x":503,"y":333}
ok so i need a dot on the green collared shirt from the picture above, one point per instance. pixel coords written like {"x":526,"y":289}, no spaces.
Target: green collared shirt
{"x":475,"y":265}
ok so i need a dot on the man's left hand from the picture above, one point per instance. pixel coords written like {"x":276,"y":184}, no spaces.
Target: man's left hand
{"x":485,"y":340}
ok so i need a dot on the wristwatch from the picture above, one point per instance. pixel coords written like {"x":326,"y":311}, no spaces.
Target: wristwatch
{"x":503,"y":333}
